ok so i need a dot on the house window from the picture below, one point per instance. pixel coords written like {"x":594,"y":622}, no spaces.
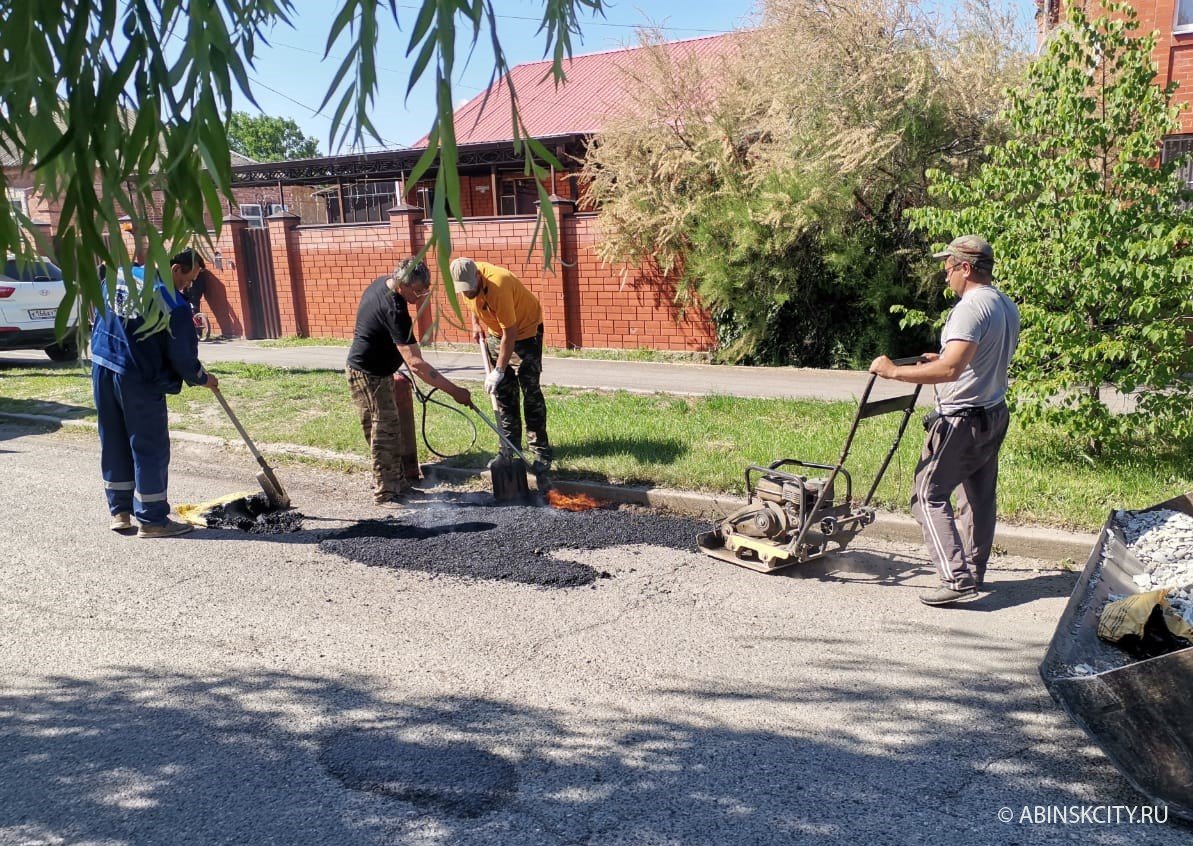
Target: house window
{"x":518,"y":196}
{"x":18,"y":200}
{"x":254,"y":214}
{"x":423,"y":196}
{"x":364,"y":202}
{"x":1184,"y":16}
{"x":1180,"y":148}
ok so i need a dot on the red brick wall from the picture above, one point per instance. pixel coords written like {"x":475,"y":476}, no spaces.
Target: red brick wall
{"x":632,"y":311}
{"x":585,"y":304}
{"x":505,"y":242}
{"x":336,"y":264}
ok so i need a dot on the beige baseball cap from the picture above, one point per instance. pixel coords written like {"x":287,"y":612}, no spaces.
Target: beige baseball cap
{"x":971,"y":248}
{"x":464,"y":275}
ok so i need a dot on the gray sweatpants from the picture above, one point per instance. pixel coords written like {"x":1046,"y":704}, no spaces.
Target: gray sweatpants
{"x":960,"y":454}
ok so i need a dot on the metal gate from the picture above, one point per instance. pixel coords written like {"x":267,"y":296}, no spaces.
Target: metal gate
{"x":264,"y":321}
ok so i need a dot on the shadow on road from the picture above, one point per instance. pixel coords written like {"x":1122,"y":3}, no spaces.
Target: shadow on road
{"x":1005,"y":586}
{"x":146,"y":757}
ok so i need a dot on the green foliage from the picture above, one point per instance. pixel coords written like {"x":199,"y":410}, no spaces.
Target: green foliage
{"x":773,"y":181}
{"x":792,"y":292}
{"x":269,"y":139}
{"x":101,"y":129}
{"x":1090,"y":233}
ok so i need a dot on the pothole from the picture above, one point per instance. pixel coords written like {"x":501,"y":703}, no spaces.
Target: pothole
{"x":459,"y":778}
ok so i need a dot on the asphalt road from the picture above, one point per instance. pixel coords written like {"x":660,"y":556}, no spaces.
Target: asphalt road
{"x":225,"y":688}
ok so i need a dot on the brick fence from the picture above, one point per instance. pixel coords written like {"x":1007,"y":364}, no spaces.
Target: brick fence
{"x":320,"y":271}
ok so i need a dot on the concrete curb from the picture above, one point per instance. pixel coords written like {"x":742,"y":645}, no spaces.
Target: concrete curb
{"x":1025,"y":541}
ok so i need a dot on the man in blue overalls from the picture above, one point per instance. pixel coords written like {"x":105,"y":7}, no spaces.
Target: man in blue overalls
{"x":131,"y":374}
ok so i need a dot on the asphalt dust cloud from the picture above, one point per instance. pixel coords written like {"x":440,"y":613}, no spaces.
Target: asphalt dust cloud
{"x":253,"y":514}
{"x":459,"y":779}
{"x":469,"y":535}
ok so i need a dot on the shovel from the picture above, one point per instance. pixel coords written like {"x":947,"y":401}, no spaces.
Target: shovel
{"x":274,"y":492}
{"x":508,"y":474}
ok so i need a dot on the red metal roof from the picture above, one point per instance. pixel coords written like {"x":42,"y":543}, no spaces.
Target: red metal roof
{"x":592,"y":90}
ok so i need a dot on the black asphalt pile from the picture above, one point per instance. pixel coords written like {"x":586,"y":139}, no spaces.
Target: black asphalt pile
{"x":468,"y":535}
{"x":255,"y":515}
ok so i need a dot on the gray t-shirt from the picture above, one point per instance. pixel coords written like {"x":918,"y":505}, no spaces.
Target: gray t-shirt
{"x":988,"y":317}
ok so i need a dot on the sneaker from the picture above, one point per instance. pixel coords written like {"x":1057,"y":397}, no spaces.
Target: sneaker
{"x":121,"y":522}
{"x":947,"y":596}
{"x":168,"y":529}
{"x":540,"y":467}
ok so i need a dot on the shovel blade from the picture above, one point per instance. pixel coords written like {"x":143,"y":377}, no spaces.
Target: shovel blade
{"x":273,"y":489}
{"x":509,"y":479}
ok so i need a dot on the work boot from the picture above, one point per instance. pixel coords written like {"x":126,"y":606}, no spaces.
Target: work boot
{"x":542,"y":474}
{"x":168,"y":529}
{"x":121,"y":522}
{"x":947,"y":596}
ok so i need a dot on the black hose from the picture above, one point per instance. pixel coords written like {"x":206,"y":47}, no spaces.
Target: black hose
{"x":427,"y":399}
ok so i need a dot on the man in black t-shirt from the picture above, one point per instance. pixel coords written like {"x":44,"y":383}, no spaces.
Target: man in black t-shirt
{"x":383,"y":339}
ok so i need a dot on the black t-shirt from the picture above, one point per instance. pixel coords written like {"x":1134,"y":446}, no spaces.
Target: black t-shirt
{"x":381,"y":321}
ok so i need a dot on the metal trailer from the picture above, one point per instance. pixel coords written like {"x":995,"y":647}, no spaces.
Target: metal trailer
{"x":1137,"y":711}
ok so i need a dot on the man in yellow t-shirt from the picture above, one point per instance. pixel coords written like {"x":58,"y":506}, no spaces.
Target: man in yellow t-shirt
{"x":510,"y":314}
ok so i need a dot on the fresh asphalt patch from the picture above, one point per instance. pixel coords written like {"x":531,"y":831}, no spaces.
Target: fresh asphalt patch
{"x":255,"y":515}
{"x":470,"y":535}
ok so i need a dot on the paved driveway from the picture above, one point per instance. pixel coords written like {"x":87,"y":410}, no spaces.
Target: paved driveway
{"x":227,"y":688}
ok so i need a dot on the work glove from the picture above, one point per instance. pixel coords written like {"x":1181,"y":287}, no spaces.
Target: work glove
{"x":492,"y":379}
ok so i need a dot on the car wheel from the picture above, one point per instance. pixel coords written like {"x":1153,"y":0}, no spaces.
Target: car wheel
{"x":68,"y":350}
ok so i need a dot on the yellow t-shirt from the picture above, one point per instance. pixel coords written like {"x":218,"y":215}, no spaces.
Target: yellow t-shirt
{"x":503,"y":302}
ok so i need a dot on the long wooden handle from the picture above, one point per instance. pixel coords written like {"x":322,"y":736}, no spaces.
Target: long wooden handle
{"x":248,"y":442}
{"x":488,"y":370}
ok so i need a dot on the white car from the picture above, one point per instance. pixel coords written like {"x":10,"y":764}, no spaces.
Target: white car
{"x":29,"y":300}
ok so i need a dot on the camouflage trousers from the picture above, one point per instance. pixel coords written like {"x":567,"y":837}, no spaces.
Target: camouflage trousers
{"x":373,"y":397}
{"x":522,"y":378}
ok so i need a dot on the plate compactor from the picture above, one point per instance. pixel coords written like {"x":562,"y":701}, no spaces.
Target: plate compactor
{"x":791,"y":516}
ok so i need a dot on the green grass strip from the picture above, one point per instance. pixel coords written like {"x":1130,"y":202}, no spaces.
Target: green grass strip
{"x":691,"y":443}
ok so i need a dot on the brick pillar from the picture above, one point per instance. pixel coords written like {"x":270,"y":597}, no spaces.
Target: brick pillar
{"x":236,"y":266}
{"x":404,"y":220}
{"x":287,"y":274}
{"x":567,"y":298}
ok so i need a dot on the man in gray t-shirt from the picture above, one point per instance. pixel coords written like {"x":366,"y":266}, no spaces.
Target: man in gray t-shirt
{"x":967,"y":429}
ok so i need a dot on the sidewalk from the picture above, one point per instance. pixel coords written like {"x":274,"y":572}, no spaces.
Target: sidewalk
{"x":647,"y":377}
{"x":681,"y":378}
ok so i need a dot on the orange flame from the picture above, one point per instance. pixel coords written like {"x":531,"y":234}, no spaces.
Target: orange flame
{"x":575,"y":502}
